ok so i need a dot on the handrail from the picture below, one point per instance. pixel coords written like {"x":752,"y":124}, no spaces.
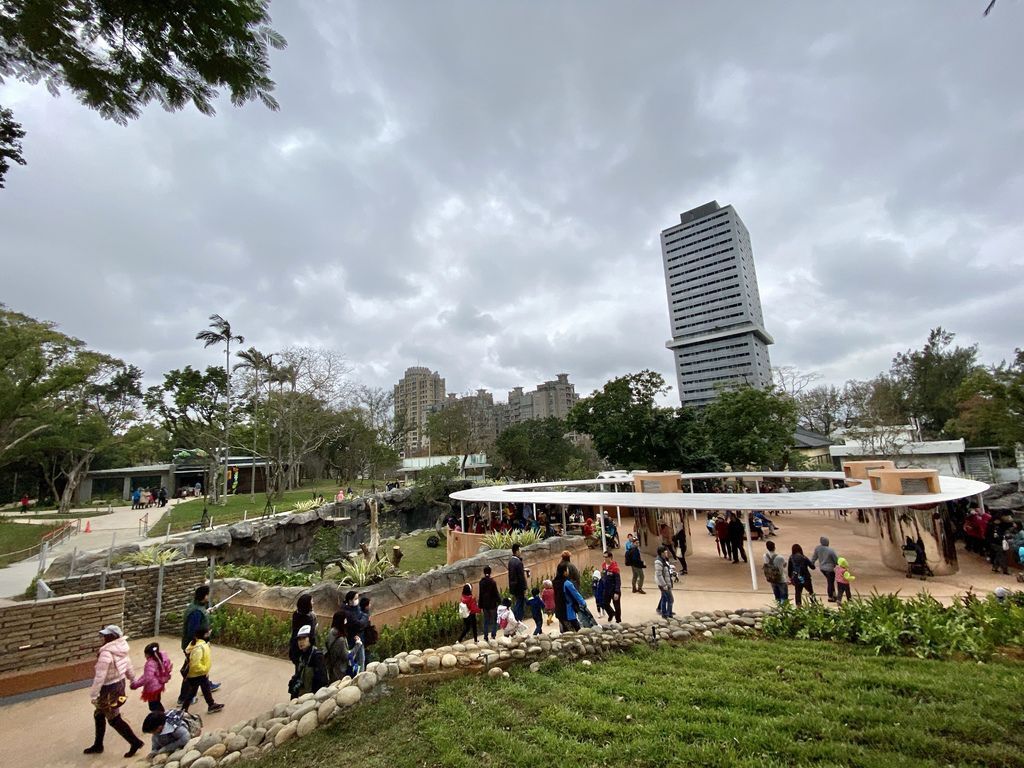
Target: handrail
{"x":53,"y":537}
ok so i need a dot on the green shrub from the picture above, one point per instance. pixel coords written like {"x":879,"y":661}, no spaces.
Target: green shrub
{"x":360,"y":572}
{"x":150,"y":556}
{"x":971,"y":627}
{"x":430,"y":628}
{"x":266,"y":574}
{"x":505,"y":539}
{"x":265,"y":634}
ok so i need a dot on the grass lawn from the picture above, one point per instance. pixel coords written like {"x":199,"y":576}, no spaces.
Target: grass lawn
{"x":417,"y":557}
{"x":183,"y":516}
{"x":18,"y":536}
{"x":735,"y":702}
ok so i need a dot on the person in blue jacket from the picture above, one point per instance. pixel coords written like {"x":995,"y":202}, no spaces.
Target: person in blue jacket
{"x":573,"y":599}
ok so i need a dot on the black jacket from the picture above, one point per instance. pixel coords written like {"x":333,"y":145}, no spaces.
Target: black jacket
{"x":487,"y":594}
{"x":299,"y":620}
{"x":736,"y":530}
{"x":516,"y":576}
{"x":312,"y":669}
{"x":633,"y":558}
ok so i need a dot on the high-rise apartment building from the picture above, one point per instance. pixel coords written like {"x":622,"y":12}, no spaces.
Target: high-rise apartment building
{"x":718,"y":334}
{"x":419,"y":393}
{"x":552,"y":398}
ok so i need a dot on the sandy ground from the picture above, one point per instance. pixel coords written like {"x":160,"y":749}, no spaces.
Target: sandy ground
{"x":52,"y":731}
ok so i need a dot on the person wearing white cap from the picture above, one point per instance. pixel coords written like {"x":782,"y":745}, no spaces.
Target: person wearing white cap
{"x":311,"y":669}
{"x":113,"y":666}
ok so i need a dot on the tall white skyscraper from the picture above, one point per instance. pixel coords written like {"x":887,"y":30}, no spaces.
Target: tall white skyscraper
{"x":718,"y":334}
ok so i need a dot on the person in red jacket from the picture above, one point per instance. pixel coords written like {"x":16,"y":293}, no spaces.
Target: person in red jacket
{"x":468,"y":609}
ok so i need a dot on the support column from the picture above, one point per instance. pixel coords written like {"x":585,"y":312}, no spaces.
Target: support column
{"x":750,"y":552}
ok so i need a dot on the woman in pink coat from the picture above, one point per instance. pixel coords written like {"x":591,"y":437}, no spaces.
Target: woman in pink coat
{"x":113,"y":666}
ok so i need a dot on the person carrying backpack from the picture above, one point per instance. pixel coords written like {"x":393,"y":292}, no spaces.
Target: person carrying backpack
{"x":774,"y":568}
{"x":311,"y":671}
{"x":155,"y":676}
{"x":170,"y":730}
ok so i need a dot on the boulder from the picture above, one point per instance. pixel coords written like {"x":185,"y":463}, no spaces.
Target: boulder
{"x":207,"y":740}
{"x":286,"y":734}
{"x":366,"y":681}
{"x":190,"y":757}
{"x":256,"y":738}
{"x":449,"y":660}
{"x":494,"y":672}
{"x":326,"y":710}
{"x":204,"y":762}
{"x":217,"y":751}
{"x":348,"y":697}
{"x":234,"y":757}
{"x":307,"y":724}
{"x":235,"y":743}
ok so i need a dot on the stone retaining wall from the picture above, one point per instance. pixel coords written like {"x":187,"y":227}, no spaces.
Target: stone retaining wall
{"x":299,"y":717}
{"x":181,"y":577}
{"x":61,"y":630}
{"x":394,"y":599}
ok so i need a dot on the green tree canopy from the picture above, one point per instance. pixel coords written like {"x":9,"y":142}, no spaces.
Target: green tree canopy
{"x":929,"y":380}
{"x":116,"y":56}
{"x":537,"y":450}
{"x":991,"y":405}
{"x":752,"y":427}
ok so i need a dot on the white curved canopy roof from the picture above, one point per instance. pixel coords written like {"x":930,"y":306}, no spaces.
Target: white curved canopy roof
{"x":857,"y":495}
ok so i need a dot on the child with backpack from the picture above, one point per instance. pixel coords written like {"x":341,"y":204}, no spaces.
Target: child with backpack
{"x":509,"y":625}
{"x":170,"y":730}
{"x":468,"y":609}
{"x":536,"y":605}
{"x":843,"y":579}
{"x":197,"y":672}
{"x":155,"y":676}
{"x":547,"y":595}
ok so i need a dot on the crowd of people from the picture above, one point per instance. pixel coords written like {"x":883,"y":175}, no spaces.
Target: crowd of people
{"x":144,"y":498}
{"x":796,"y":572}
{"x":997,"y":538}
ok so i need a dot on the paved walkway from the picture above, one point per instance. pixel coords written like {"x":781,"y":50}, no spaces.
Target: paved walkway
{"x":53,"y":730}
{"x":714,"y":583}
{"x":120,"y":526}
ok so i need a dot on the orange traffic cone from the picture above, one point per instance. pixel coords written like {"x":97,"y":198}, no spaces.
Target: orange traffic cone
{"x":88,"y":526}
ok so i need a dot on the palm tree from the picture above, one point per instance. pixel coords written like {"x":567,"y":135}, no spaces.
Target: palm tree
{"x":220,"y":331}
{"x":257,"y":362}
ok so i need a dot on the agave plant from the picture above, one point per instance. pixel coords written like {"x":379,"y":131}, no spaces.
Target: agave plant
{"x":150,"y":556}
{"x":505,"y":539}
{"x":304,"y":506}
{"x":360,"y":572}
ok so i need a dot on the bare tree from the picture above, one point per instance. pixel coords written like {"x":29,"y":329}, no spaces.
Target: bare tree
{"x":791,"y":380}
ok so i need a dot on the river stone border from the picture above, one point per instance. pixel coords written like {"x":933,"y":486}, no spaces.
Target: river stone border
{"x":299,"y":717}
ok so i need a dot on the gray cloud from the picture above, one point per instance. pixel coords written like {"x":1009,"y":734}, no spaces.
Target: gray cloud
{"x":479,"y":188}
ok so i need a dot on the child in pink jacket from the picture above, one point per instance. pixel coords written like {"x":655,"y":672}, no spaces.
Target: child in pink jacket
{"x":154,"y":677}
{"x":843,"y":579}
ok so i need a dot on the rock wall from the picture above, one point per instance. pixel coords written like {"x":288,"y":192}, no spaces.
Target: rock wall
{"x":1004,"y":497}
{"x":61,"y":630}
{"x":181,"y":577}
{"x":396,"y":598}
{"x":300,"y":717}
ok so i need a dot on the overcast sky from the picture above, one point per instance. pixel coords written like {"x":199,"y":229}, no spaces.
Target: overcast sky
{"x":479,"y":188}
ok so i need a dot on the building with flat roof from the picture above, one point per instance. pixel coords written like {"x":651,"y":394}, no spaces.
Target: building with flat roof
{"x":552,"y":398}
{"x":419,"y":393}
{"x":718,"y":333}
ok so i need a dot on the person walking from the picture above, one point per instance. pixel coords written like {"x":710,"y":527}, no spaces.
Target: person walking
{"x":548,"y":596}
{"x":468,"y":609}
{"x":663,"y":578}
{"x":636,"y":564}
{"x":155,"y":676}
{"x":679,"y":540}
{"x":561,"y":577}
{"x":722,"y":535}
{"x":574,"y":602}
{"x":737,"y":537}
{"x":302,"y":616}
{"x":825,"y":558}
{"x":536,"y":606}
{"x":843,"y":578}
{"x":517,"y":582}
{"x":197,"y":677}
{"x":799,"y":571}
{"x":488,"y":600}
{"x":197,"y":616}
{"x":113,"y":667}
{"x":24,"y":503}
{"x":775,"y":573}
{"x":611,"y":587}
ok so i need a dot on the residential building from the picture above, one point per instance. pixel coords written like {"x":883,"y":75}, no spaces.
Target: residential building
{"x":419,"y":393}
{"x":718,"y":333}
{"x":552,"y":398}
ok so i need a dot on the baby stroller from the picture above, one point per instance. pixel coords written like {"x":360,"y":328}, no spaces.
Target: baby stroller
{"x":917,"y":563}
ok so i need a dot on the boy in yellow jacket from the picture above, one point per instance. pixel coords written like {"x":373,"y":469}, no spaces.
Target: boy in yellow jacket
{"x":198,"y":675}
